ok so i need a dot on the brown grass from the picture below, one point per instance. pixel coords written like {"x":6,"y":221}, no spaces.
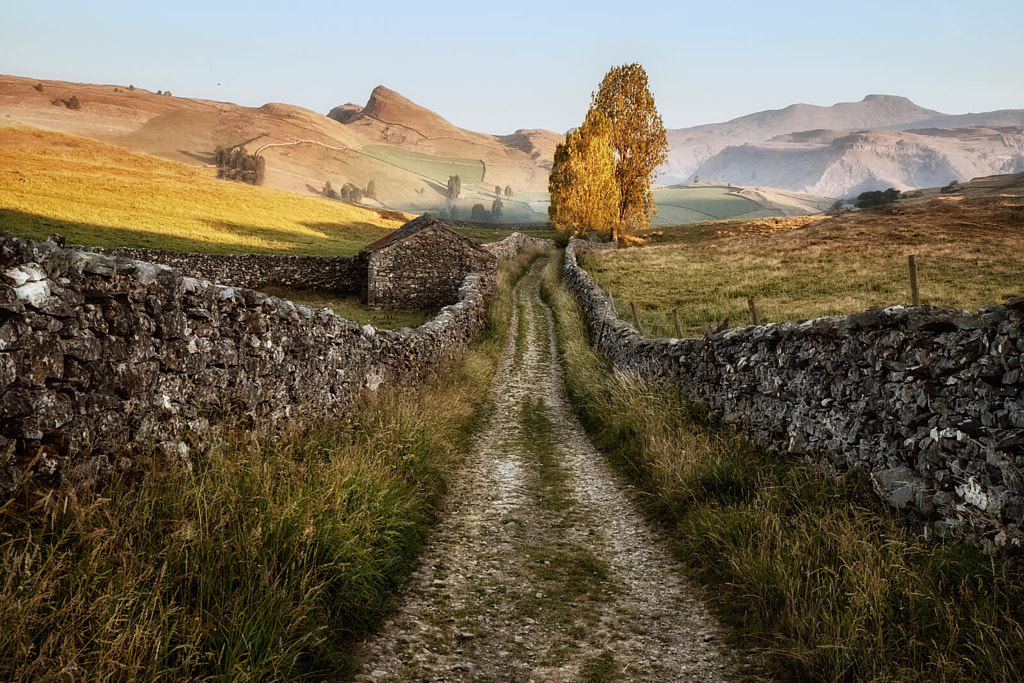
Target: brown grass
{"x":968,"y":254}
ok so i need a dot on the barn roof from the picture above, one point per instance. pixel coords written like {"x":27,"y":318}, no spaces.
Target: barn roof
{"x":414,"y":226}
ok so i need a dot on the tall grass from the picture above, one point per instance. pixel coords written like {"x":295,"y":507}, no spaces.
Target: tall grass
{"x":814,"y":575}
{"x":264,"y":561}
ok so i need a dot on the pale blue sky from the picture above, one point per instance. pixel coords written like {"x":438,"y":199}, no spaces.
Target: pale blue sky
{"x":497,"y":66}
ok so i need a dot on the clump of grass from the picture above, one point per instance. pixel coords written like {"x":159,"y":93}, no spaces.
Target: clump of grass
{"x":812,"y":573}
{"x":266,"y":560}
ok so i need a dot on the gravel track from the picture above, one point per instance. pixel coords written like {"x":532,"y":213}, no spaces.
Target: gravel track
{"x":541,"y":569}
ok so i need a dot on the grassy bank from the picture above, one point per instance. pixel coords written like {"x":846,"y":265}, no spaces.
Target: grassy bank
{"x":264,"y":561}
{"x":815,"y":577}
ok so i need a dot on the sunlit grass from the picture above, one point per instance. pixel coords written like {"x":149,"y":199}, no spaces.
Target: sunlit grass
{"x":800,"y":268}
{"x":101,"y":195}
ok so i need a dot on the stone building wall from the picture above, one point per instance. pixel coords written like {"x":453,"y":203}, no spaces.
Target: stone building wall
{"x":423,"y":270}
{"x":929,"y":400}
{"x":99,"y":351}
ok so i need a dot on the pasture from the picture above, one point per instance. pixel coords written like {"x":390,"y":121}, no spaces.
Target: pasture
{"x":435,"y":167}
{"x":968,"y":255}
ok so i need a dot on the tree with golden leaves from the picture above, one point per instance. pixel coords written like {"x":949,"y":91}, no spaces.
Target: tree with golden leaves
{"x":639,"y":140}
{"x":584,"y":194}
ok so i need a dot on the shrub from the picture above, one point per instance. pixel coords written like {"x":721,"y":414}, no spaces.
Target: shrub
{"x":866,"y":200}
{"x":73,"y":103}
{"x":38,"y":86}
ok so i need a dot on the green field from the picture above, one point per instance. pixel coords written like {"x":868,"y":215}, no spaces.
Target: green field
{"x":436,"y":167}
{"x":681,"y":204}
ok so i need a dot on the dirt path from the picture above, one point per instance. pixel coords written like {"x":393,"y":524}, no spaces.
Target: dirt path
{"x":542,"y":570}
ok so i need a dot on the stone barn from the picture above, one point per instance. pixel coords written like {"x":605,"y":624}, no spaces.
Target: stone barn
{"x":421,"y":265}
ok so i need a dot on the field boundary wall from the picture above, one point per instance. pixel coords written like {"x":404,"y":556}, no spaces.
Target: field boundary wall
{"x":929,"y":400}
{"x":102,"y":353}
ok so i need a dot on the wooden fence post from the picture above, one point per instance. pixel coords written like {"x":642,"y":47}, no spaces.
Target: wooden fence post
{"x":636,"y":319}
{"x":675,"y":319}
{"x":753,"y":311}
{"x":915,"y":295}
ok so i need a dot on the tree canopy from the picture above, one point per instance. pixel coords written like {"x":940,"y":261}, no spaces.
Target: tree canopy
{"x":638,"y":136}
{"x":584,"y":194}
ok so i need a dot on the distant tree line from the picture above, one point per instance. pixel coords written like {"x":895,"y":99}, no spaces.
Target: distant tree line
{"x":865,"y":200}
{"x":350,"y":192}
{"x":481,"y":215}
{"x":237,"y":164}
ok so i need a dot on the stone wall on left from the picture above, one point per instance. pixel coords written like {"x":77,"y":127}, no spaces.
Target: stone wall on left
{"x":100,"y":351}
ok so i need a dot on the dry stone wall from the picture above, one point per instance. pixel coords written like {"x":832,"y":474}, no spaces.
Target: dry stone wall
{"x":101,"y":351}
{"x":930,"y":400}
{"x":516,"y":242}
{"x":337,"y":274}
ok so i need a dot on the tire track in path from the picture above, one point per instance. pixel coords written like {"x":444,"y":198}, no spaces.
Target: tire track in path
{"x":542,"y":570}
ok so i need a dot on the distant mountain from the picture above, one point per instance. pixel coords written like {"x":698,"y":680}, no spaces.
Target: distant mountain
{"x":825,"y":159}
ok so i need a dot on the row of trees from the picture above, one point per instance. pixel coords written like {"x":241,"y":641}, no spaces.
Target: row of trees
{"x":237,"y":164}
{"x":481,"y":215}
{"x":349,"y":192}
{"x":602,"y":173}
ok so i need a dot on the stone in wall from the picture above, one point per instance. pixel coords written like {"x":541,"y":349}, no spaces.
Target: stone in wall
{"x":929,"y":400}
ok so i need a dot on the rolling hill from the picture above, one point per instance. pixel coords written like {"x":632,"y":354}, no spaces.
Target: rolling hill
{"x":772,"y":163}
{"x":407,"y":150}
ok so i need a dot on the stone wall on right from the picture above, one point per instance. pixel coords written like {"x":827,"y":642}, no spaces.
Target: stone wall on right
{"x":930,"y":400}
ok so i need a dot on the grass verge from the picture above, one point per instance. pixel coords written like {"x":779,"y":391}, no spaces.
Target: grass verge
{"x":264,"y":561}
{"x":814,"y":575}
{"x":351,"y":308}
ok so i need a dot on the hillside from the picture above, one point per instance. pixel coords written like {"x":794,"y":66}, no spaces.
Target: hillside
{"x":98,"y":194}
{"x":406,"y":150}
